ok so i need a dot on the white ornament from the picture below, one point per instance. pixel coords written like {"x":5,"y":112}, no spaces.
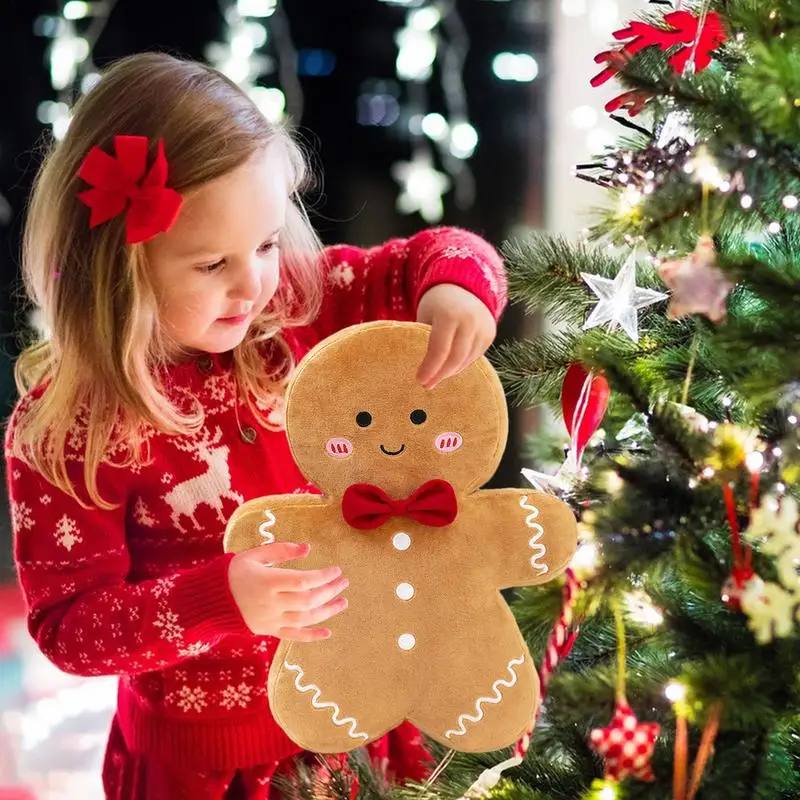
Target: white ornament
{"x":422,"y":187}
{"x":620,"y":299}
{"x":542,"y":482}
{"x":677,"y":125}
{"x":489,"y":778}
{"x":773,"y":608}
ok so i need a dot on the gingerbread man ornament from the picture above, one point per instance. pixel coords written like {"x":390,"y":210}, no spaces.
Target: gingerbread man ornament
{"x":427,"y":636}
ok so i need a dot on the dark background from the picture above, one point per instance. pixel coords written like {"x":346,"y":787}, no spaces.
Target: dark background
{"x":355,"y":200}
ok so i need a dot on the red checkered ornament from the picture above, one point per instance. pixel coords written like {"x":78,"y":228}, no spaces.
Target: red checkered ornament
{"x":626,"y":745}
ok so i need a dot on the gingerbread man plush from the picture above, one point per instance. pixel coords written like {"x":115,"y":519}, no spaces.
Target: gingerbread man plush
{"x":427,"y":636}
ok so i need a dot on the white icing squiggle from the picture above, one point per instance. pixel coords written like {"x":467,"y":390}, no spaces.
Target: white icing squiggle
{"x":539,"y":550}
{"x":264,"y":528}
{"x":494,"y":699}
{"x":312,"y":687}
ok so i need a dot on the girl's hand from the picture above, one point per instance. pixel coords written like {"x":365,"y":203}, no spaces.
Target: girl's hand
{"x":462,"y":328}
{"x":287,"y":603}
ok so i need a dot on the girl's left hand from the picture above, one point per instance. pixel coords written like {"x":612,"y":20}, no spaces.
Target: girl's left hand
{"x":462,"y":328}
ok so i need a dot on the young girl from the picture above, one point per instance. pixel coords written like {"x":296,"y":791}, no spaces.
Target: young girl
{"x":180,"y":283}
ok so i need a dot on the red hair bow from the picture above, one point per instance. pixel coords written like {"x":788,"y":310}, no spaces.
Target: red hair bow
{"x":366,"y":506}
{"x":153,"y":207}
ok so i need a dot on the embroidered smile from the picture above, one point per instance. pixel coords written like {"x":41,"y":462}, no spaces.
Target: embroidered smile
{"x":393,"y":452}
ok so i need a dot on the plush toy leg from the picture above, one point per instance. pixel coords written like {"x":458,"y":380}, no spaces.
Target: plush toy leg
{"x":475,"y":712}
{"x":330,"y":708}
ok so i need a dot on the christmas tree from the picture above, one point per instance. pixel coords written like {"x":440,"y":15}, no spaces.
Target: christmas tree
{"x":672,"y":668}
{"x":670,"y":651}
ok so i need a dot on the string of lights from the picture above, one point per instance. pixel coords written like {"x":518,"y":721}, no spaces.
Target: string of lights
{"x":251,"y":49}
{"x":74,"y":31}
{"x":434,"y":41}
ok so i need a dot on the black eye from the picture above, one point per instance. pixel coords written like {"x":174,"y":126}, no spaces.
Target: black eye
{"x":418,"y":416}
{"x":363,"y":419}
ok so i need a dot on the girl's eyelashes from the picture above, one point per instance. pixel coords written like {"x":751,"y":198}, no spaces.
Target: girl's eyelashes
{"x":264,"y":249}
{"x":211,"y":267}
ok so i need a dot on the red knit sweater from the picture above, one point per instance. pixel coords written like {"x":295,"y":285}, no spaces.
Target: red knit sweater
{"x":142,"y":591}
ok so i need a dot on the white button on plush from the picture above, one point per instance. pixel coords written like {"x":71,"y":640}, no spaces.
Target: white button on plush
{"x":406,"y":641}
{"x":405,"y":591}
{"x":401,"y":541}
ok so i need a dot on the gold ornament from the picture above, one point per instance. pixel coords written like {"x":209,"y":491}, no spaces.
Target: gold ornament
{"x":732,"y":445}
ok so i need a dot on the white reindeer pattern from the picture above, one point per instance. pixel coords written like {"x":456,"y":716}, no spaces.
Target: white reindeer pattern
{"x":211,"y":487}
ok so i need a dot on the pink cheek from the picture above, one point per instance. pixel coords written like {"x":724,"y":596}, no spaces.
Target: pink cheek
{"x":339,"y":448}
{"x":448,"y":442}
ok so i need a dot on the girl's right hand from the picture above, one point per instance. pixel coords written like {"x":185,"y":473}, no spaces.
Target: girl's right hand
{"x":286,"y":603}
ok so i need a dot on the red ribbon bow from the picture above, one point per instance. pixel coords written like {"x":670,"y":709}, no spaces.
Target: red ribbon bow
{"x":365,"y":506}
{"x":153,"y":207}
{"x":693,"y":36}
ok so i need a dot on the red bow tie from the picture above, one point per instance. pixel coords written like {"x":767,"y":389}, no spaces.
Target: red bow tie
{"x":365,"y":506}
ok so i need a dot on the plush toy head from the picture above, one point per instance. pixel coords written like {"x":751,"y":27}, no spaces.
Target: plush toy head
{"x":355,"y":412}
{"x":427,"y":636}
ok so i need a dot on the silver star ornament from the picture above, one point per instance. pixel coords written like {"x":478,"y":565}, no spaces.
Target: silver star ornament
{"x":619,"y":300}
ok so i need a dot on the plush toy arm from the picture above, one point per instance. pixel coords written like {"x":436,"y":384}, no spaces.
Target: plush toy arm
{"x":532,"y":535}
{"x":276,"y":518}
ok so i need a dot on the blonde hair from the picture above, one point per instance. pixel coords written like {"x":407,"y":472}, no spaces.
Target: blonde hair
{"x":100,"y":360}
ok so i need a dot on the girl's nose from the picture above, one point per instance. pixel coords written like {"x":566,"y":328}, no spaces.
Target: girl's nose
{"x":248,"y":283}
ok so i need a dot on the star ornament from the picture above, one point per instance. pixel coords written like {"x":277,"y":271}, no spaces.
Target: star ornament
{"x":421,"y":187}
{"x":698,"y":286}
{"x":626,"y":745}
{"x":619,"y":300}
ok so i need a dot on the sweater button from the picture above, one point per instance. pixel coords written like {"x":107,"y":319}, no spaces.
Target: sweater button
{"x":248,"y":434}
{"x":205,"y":363}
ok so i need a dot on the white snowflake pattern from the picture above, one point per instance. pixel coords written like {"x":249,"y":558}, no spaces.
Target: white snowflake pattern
{"x":341,"y":275}
{"x":236,"y":695}
{"x":399,"y":249}
{"x":248,"y":672}
{"x":189,"y":699}
{"x":194,"y":649}
{"x":490,"y":276}
{"x":76,"y":437}
{"x":45,"y":499}
{"x":67,"y":533}
{"x":261,"y":647}
{"x":220,"y":389}
{"x":167,"y":621}
{"x":162,"y":587}
{"x":21,"y":516}
{"x":16,"y":473}
{"x":773,"y":608}
{"x":142,"y":514}
{"x":166,"y":478}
